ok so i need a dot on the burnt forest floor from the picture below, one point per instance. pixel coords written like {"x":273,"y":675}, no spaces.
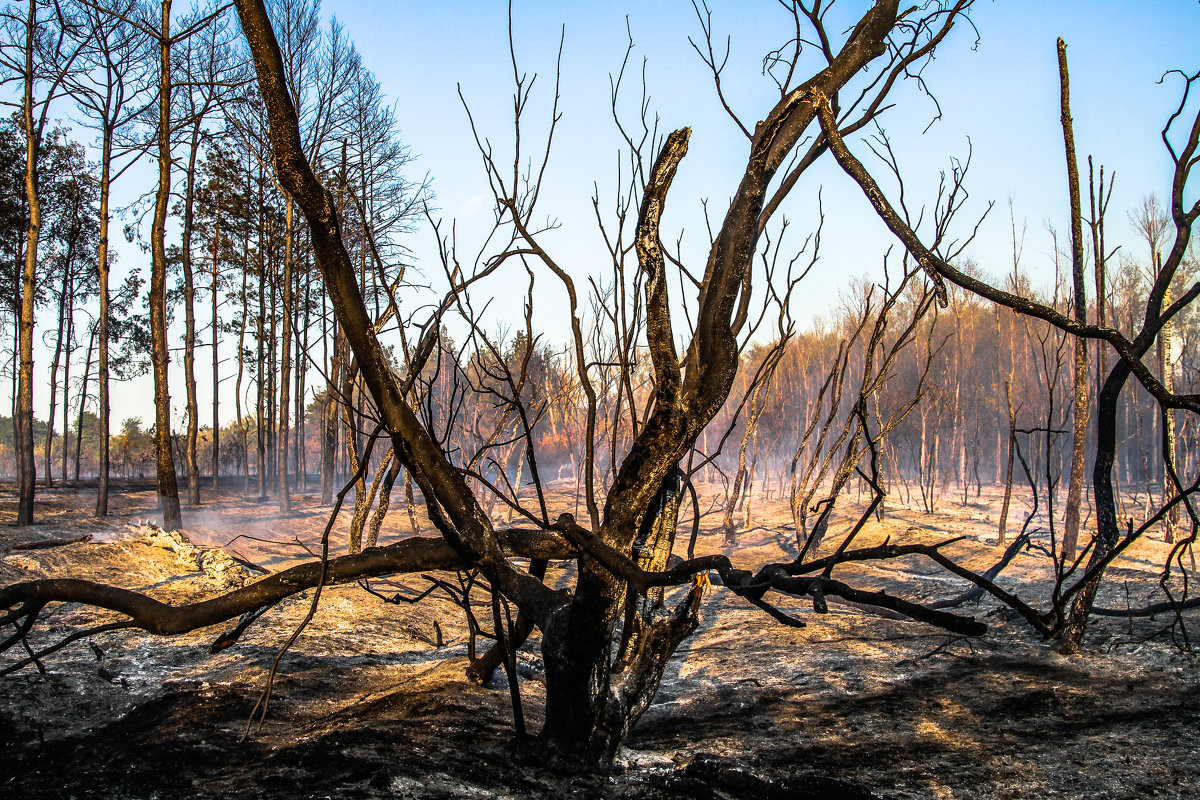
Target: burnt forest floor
{"x":367,"y":705}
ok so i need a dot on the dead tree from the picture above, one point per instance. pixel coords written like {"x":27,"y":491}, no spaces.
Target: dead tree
{"x":879,"y":334}
{"x":607,"y":639}
{"x":1070,"y":536}
{"x":1130,"y":350}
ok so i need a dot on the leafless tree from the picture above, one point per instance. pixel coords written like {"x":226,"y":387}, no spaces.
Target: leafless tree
{"x":608,"y":637}
{"x":1130,"y":350}
{"x":593,"y":693}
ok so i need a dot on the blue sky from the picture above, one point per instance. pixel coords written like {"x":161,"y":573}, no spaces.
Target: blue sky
{"x":1001,"y":96}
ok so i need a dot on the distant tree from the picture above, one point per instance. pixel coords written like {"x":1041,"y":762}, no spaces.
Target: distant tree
{"x":222,"y":220}
{"x":71,"y":232}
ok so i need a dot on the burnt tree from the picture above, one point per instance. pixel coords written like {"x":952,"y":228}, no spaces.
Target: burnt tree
{"x":608,"y":638}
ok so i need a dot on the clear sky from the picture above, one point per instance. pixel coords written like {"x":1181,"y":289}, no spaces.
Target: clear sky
{"x":1001,"y":96}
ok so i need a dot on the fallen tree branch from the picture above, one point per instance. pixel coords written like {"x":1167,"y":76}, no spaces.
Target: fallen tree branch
{"x":419,"y":554}
{"x":46,"y":544}
{"x":991,"y":575}
{"x":782,"y":578}
{"x":1150,"y":610}
{"x":564,"y":539}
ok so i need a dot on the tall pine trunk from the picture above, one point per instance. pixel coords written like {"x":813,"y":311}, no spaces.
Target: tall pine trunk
{"x":285,"y":362}
{"x":216,"y":336}
{"x":102,"y":339}
{"x":66,"y":385}
{"x":260,"y":421}
{"x":23,"y":411}
{"x":168,"y":487}
{"x":48,"y":444}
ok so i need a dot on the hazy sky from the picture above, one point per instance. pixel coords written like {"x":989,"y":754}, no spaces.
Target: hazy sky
{"x":999,"y":97}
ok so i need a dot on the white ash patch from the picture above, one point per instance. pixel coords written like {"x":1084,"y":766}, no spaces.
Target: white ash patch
{"x":217,"y":565}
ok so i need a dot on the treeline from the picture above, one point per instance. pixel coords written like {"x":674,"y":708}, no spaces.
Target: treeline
{"x":949,"y":389}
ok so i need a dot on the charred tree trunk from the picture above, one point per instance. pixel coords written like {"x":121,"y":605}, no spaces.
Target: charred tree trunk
{"x":1070,"y":540}
{"x":590,"y":700}
{"x":1107,"y":530}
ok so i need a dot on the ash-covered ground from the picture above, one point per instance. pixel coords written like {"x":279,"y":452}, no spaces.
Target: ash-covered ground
{"x":366,"y":704}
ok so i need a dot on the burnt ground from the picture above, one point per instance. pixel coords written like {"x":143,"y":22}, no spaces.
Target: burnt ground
{"x":367,"y":705}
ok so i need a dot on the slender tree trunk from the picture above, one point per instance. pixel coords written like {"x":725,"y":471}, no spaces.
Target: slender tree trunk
{"x":1008,"y":472}
{"x":923,"y":461}
{"x":1070,"y":540}
{"x":301,"y":385}
{"x":361,"y":499}
{"x":216,"y":334}
{"x":102,"y":367}
{"x":1166,"y":359}
{"x":285,"y":359}
{"x":262,"y":363}
{"x":189,"y":313}
{"x":83,"y":396}
{"x":66,"y":385}
{"x":1107,"y":531}
{"x":1099,"y":205}
{"x":999,"y":456}
{"x":48,"y":444}
{"x":23,"y":412}
{"x":272,"y":368}
{"x":329,"y":435}
{"x":168,"y":488}
{"x":241,"y":349}
{"x":384,"y":503}
{"x":739,"y":479}
{"x":241,"y":371}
